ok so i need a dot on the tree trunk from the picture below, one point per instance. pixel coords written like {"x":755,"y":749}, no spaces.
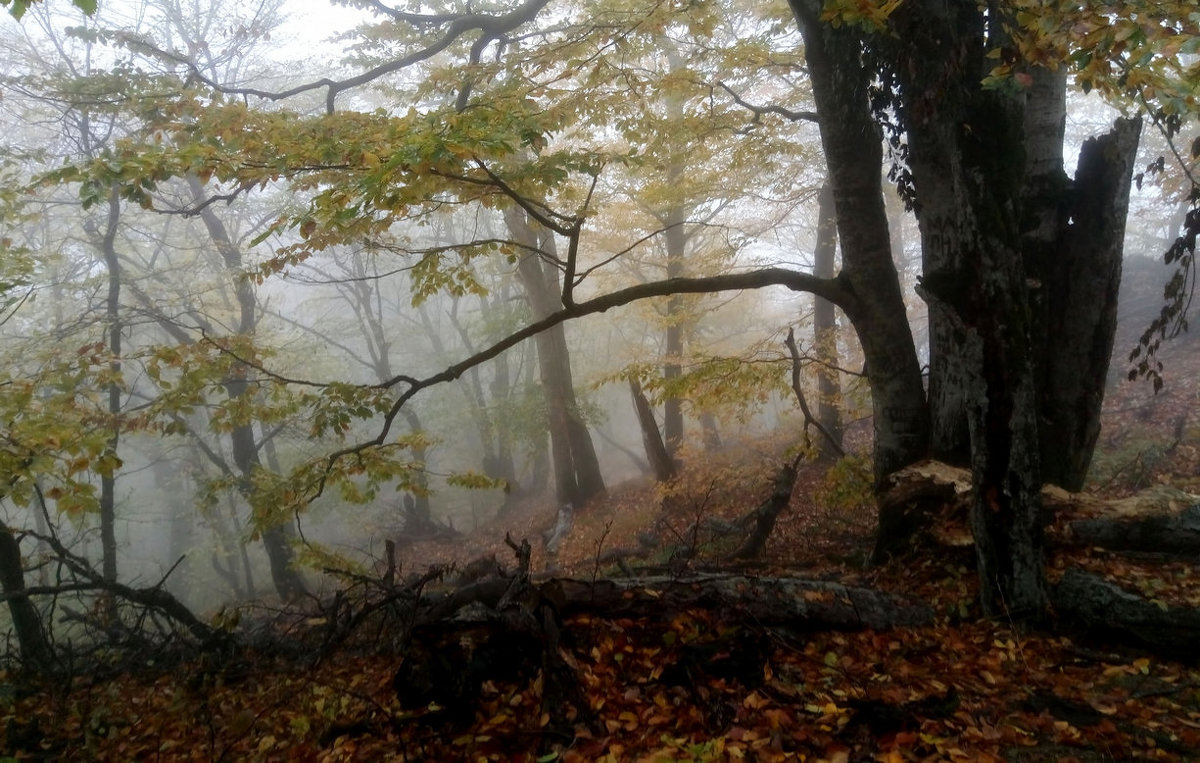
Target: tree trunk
{"x":676,"y":241}
{"x":656,"y":450}
{"x":420,"y":494}
{"x":362,"y":292}
{"x":968,"y":184}
{"x":576,"y":467}
{"x":108,"y":472}
{"x":27,"y":622}
{"x":710,"y":432}
{"x":497,"y":458}
{"x":767,"y":513}
{"x":829,"y":391}
{"x":288,"y":582}
{"x":1080,"y":277}
{"x":853,"y":152}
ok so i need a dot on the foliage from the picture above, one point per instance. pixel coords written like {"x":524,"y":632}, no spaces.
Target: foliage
{"x":52,"y":434}
{"x":18,"y":7}
{"x":848,"y":485}
{"x":739,"y":384}
{"x":685,"y":686}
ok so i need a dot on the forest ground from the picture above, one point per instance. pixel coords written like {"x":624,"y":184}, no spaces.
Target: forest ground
{"x":702,"y":684}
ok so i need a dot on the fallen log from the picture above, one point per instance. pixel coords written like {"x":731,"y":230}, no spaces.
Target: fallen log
{"x":793,"y":602}
{"x":1100,"y":609}
{"x":1161,"y":520}
{"x":766,"y":513}
{"x":925,"y":504}
{"x":785,"y":601}
{"x":507,"y":628}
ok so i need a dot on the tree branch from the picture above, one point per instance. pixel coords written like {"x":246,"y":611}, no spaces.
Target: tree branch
{"x":790,"y":342}
{"x":831,"y":289}
{"x":758,"y":111}
{"x":456,"y":26}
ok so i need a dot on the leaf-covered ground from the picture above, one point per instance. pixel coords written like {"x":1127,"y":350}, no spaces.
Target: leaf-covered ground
{"x":698,"y":685}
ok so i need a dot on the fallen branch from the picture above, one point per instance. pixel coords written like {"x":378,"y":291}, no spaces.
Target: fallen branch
{"x":1102,"y":609}
{"x":768,"y":600}
{"x":767,"y":512}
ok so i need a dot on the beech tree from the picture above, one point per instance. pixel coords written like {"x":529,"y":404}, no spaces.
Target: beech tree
{"x":1020,"y":260}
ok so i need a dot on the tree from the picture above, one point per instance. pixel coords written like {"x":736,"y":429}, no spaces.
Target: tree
{"x":577,"y":474}
{"x":825,"y":328}
{"x":985,"y":167}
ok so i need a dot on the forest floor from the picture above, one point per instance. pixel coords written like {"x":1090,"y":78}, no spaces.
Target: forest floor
{"x":674,"y":688}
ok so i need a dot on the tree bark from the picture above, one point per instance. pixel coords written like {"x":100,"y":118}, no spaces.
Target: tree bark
{"x":27,"y":622}
{"x":576,"y":467}
{"x":967,"y":159}
{"x":1158,"y":521}
{"x":829,"y":391}
{"x":853,"y":153}
{"x":767,"y":512}
{"x":1080,"y":278}
{"x":1177,"y":535}
{"x":657,"y":454}
{"x":765,"y":600}
{"x":1107,"y":612}
{"x":108,"y":474}
{"x":676,"y":241}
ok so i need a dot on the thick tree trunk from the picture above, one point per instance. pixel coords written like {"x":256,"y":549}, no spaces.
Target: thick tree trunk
{"x":829,"y":391}
{"x":1080,"y":278}
{"x":853,"y":152}
{"x":967,"y":159}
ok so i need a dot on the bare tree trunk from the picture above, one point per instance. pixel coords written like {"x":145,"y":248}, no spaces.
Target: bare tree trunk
{"x":853,"y":152}
{"x":576,"y":467}
{"x":710,"y":431}
{"x":108,"y":475}
{"x":27,"y":622}
{"x":656,"y":450}
{"x":676,"y":242}
{"x":829,"y":391}
{"x":1079,"y":269}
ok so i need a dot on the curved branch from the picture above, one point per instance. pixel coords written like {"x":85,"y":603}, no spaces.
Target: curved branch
{"x":832,"y":289}
{"x":758,"y":111}
{"x":457,"y":25}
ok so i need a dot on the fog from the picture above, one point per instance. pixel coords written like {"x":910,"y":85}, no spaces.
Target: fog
{"x":333,"y":335}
